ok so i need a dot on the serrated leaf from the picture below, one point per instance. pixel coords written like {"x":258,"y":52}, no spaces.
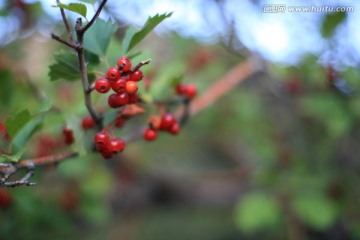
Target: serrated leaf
{"x":256,"y":211}
{"x":97,"y":38}
{"x":88,"y":1}
{"x":330,"y":23}
{"x":16,"y":122}
{"x":315,"y":210}
{"x":66,"y":67}
{"x":74,"y":7}
{"x":150,"y":24}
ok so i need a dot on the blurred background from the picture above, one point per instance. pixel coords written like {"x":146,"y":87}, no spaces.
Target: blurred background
{"x":273,"y":154}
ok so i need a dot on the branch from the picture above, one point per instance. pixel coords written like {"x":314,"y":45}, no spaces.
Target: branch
{"x":226,"y":83}
{"x":140,"y":64}
{"x":9,"y":169}
{"x":59,"y":39}
{"x":66,"y":23}
{"x":88,"y":25}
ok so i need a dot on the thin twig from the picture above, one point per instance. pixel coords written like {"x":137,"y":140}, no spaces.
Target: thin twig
{"x":46,"y":160}
{"x":63,"y":41}
{"x":88,"y":25}
{"x":66,"y":23}
{"x":140,"y":64}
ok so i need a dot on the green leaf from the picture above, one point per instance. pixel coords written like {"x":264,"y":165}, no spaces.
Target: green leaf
{"x":129,"y":34}
{"x":97,"y":38}
{"x":315,"y":210}
{"x":16,"y":122}
{"x":74,"y":7}
{"x":91,"y":58}
{"x":11,"y":158}
{"x":256,"y":211}
{"x":150,"y":24}
{"x":88,"y":1}
{"x":330,"y":23}
{"x":6,"y":89}
{"x":66,"y":67}
{"x":25,"y":133}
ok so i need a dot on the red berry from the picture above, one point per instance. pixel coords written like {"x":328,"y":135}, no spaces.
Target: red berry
{"x":5,"y":198}
{"x":124,"y":64}
{"x":119,"y":122}
{"x":87,"y":122}
{"x":106,"y":154}
{"x":136,"y":75}
{"x":119,"y":85}
{"x":175,"y":128}
{"x":122,"y":98}
{"x":102,"y":138}
{"x":131,"y":87}
{"x":180,"y":89}
{"x":116,"y":145}
{"x":102,"y":85}
{"x":113,"y":74}
{"x":190,"y":91}
{"x":167,"y":120}
{"x":112,"y":100}
{"x":150,"y":134}
{"x":67,"y":131}
{"x":69,"y":137}
{"x":133,"y":98}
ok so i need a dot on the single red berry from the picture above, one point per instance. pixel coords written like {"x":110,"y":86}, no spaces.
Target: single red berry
{"x":175,"y":128}
{"x":133,"y":98}
{"x":190,"y":91}
{"x":87,"y":123}
{"x":5,"y":198}
{"x":102,"y":85}
{"x":124,"y":64}
{"x":136,"y":75}
{"x":131,"y":87}
{"x":67,"y":131}
{"x":69,"y":137}
{"x":150,"y":134}
{"x":113,"y":74}
{"x":180,"y":89}
{"x":119,"y":122}
{"x":106,"y":154}
{"x":112,"y":100}
{"x":167,"y":120}
{"x":122,"y":98}
{"x":69,"y":140}
{"x":116,"y":145}
{"x":102,"y":138}
{"x":119,"y":85}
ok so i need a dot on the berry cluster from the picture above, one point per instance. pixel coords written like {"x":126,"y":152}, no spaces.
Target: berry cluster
{"x":108,"y":146}
{"x":167,"y":123}
{"x":187,"y":90}
{"x":123,"y":81}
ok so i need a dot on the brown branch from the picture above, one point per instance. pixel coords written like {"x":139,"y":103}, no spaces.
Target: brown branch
{"x":66,"y":23}
{"x":140,"y":64}
{"x":88,"y":25}
{"x":46,"y":160}
{"x":223,"y":85}
{"x":59,"y":39}
{"x":9,"y":169}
